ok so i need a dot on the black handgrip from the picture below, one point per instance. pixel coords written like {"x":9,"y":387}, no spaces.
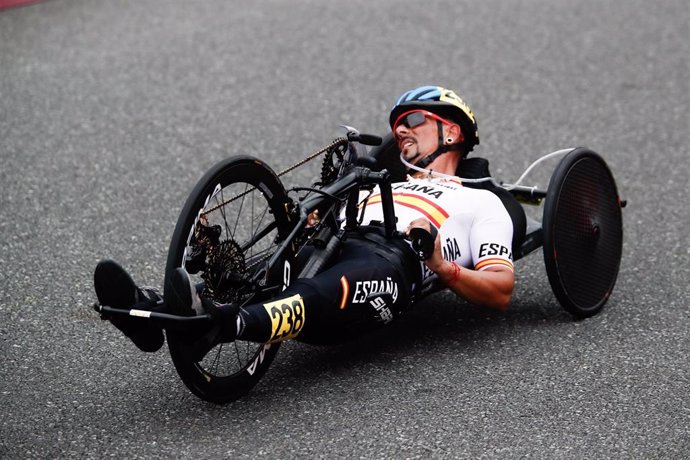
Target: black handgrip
{"x":423,"y":241}
{"x":368,"y":139}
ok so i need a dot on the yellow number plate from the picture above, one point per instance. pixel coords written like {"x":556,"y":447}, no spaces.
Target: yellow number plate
{"x":287,"y":318}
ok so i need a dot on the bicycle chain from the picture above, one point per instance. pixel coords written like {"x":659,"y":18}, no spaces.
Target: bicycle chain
{"x":336,"y":143}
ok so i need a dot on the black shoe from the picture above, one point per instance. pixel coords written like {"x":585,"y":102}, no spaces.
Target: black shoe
{"x":182,"y":297}
{"x":115,"y":288}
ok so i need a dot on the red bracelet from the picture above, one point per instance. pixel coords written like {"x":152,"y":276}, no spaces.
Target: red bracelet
{"x":456,"y":273}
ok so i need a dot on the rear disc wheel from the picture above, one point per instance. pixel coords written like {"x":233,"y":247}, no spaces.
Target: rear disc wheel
{"x":583,"y":232}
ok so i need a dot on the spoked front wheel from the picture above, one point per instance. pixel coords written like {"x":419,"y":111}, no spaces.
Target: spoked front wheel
{"x":229,"y":227}
{"x":583,"y":232}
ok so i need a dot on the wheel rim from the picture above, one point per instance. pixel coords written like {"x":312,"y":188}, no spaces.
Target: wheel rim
{"x":227,"y":360}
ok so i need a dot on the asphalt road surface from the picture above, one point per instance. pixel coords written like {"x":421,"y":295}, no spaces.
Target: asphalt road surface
{"x":110,"y":112}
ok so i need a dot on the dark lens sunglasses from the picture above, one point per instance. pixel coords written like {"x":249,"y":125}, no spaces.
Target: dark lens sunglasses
{"x":415,"y":118}
{"x":411,"y":120}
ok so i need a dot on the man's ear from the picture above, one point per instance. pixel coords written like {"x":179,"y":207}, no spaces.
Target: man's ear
{"x":453,"y":134}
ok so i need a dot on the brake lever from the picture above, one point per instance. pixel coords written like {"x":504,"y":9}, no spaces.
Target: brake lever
{"x":353,"y":135}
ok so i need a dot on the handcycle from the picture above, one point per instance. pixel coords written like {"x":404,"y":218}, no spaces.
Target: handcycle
{"x":247,"y":238}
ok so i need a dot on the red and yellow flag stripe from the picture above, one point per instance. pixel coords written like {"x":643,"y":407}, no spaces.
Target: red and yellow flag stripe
{"x":432,"y":211}
{"x":487,"y":262}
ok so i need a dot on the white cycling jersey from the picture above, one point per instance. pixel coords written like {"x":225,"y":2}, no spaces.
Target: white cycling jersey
{"x":475,"y":229}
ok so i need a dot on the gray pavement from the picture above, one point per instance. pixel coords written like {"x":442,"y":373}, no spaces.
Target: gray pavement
{"x":110,"y":111}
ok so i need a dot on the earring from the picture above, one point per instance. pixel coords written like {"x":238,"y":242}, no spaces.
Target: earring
{"x":450,"y":140}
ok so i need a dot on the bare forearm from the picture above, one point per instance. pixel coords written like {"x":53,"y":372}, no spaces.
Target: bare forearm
{"x":491,"y":288}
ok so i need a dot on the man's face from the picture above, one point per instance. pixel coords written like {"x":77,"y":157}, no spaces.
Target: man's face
{"x":417,"y":141}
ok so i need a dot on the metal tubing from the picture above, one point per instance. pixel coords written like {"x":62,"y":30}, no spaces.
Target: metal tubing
{"x":163,"y":319}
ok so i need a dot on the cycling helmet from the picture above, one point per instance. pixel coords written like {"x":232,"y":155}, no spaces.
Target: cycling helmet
{"x":444,"y":103}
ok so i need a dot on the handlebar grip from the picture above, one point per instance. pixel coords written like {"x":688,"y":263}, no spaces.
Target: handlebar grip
{"x":423,"y":241}
{"x":367,"y":175}
{"x":370,"y":139}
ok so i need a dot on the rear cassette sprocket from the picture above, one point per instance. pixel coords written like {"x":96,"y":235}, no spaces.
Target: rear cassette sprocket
{"x":226,"y":269}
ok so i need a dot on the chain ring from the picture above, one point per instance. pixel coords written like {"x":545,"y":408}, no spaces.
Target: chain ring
{"x":329,"y":168}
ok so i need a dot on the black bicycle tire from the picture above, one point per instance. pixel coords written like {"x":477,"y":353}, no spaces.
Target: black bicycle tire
{"x":583,"y":233}
{"x":246,"y":169}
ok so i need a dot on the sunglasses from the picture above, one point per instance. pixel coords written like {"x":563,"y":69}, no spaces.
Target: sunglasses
{"x":415,"y":118}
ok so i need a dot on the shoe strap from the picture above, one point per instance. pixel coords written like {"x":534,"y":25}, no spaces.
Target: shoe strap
{"x":145,"y":293}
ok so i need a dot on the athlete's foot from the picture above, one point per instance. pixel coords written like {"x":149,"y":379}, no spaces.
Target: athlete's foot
{"x":183,"y":298}
{"x":116,"y":289}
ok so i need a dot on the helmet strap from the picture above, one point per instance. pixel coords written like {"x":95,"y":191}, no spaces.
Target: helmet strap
{"x":442,"y":148}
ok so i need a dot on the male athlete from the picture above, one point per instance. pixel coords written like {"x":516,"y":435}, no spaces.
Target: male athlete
{"x":373,"y":280}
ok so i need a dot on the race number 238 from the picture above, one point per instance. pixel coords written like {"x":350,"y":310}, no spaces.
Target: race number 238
{"x":287,"y":318}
